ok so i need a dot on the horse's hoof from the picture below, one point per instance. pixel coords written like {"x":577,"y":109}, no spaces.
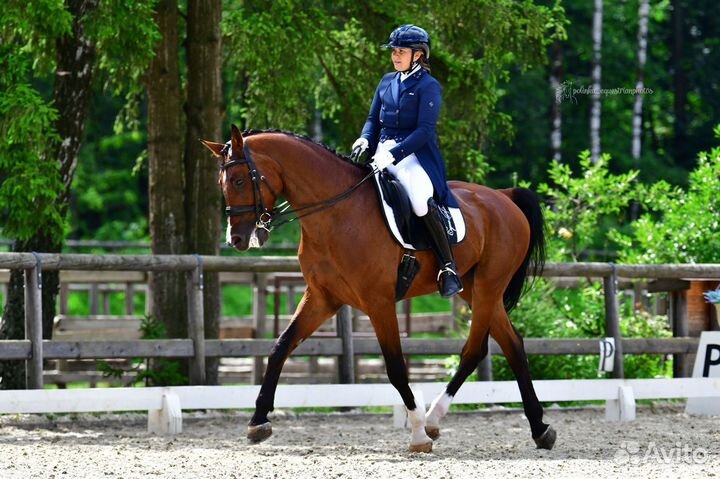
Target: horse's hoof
{"x":433,"y":432}
{"x":546,"y":439}
{"x":425,"y":447}
{"x":259,"y":433}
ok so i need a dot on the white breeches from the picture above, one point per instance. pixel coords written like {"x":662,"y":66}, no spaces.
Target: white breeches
{"x":414,"y":179}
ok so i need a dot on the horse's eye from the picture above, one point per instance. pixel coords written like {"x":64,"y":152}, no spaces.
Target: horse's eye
{"x":239,"y":182}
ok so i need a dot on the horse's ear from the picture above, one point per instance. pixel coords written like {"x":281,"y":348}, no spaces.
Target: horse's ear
{"x":237,"y":139}
{"x":216,"y":148}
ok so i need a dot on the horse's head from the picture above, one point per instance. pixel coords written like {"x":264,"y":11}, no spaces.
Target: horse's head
{"x":249,"y":198}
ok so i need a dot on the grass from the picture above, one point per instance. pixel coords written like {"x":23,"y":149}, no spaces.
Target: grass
{"x":79,"y":304}
{"x":236,"y":301}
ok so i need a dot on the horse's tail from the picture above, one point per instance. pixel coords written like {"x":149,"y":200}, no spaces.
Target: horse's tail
{"x":534,"y":261}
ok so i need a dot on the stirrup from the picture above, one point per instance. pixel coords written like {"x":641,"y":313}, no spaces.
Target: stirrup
{"x":449,"y":283}
{"x":446,"y":269}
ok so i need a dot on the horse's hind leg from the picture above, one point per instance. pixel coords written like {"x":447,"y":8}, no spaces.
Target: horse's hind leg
{"x":474,"y":350}
{"x":512,"y":346}
{"x":314,"y":309}
{"x":384,"y":321}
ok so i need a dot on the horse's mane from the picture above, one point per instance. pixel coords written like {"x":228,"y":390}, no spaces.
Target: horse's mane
{"x":251,"y":132}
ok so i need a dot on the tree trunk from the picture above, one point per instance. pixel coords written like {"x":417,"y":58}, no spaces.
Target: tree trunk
{"x":595,"y":109}
{"x":71,"y":97}
{"x":12,"y":373}
{"x":640,"y":83}
{"x":204,"y":120}
{"x":166,"y":171}
{"x":637,"y":129}
{"x":682,"y":157}
{"x":556,"y":78}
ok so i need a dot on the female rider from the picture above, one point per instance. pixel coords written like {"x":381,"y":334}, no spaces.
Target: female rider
{"x":400,"y":135}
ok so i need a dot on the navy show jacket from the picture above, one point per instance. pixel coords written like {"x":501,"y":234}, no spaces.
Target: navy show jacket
{"x":411,"y":120}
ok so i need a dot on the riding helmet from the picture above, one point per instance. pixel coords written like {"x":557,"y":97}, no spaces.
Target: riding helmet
{"x":409,"y":36}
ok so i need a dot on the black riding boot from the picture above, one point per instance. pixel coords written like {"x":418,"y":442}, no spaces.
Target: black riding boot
{"x":448,"y":280}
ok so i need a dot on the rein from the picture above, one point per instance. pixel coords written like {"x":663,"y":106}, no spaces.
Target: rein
{"x":266,"y":218}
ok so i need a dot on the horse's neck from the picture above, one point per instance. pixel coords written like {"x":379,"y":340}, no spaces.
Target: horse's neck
{"x":310,"y":174}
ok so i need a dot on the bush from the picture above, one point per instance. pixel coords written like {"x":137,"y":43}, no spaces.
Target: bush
{"x":151,"y":372}
{"x":546,"y":311}
{"x":679,"y":226}
{"x":582,"y":209}
{"x":584,"y":213}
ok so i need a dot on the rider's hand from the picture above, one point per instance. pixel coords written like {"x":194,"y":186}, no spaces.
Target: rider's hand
{"x":382,"y":159}
{"x":360,"y":145}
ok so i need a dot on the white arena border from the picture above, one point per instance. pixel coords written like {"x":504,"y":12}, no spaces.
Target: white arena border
{"x":165,"y":404}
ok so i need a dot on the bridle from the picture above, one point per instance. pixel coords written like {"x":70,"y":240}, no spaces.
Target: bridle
{"x":267,"y":218}
{"x":263,"y":215}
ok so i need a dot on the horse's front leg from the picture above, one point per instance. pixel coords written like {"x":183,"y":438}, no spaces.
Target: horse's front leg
{"x":384,"y":320}
{"x":314,"y":309}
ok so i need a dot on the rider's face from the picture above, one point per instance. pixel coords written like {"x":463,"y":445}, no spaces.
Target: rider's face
{"x":401,"y":58}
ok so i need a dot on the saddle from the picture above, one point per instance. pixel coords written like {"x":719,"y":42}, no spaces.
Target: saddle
{"x":408,"y":230}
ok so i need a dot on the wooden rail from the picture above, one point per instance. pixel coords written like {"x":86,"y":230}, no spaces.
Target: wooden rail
{"x":183,"y":348}
{"x":197,"y":348}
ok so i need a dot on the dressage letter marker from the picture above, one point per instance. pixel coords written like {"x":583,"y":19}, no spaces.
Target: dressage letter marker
{"x":707,"y":365}
{"x":709,"y":359}
{"x":607,"y":355}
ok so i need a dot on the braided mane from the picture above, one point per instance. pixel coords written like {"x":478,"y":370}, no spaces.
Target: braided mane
{"x":251,"y":132}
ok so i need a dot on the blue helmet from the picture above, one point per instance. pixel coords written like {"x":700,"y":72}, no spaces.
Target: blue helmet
{"x":409,"y":36}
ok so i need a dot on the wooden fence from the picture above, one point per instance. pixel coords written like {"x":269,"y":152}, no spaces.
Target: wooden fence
{"x":34,"y":350}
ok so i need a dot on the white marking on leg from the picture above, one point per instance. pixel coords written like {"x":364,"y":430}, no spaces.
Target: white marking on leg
{"x":416,"y":417}
{"x":438,"y":409}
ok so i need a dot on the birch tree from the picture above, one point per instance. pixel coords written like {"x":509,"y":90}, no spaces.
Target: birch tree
{"x":643,"y":12}
{"x":556,"y":79}
{"x":596,"y":106}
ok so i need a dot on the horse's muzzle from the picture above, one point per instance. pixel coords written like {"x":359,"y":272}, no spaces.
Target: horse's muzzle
{"x":239,"y":242}
{"x":256,"y":239}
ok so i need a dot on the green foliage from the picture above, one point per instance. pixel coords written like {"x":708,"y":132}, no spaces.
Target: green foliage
{"x":579,"y":205}
{"x":669,"y":144}
{"x":548,"y":312}
{"x":558,"y":313}
{"x":108,"y":202}
{"x":151,"y":372}
{"x":680,"y":226}
{"x":29,"y":181}
{"x":28,"y":30}
{"x":332,"y":50}
{"x":124,"y":34}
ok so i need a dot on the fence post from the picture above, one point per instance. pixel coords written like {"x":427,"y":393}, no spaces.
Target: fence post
{"x":64,"y":295}
{"x":196,"y":322}
{"x":679,"y":321}
{"x":260,"y":321}
{"x":33,"y":325}
{"x":94,"y":298}
{"x":612,"y":320}
{"x":129,"y":299}
{"x":346,"y":361}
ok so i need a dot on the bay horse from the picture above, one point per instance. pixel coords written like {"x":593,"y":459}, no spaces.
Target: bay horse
{"x":348,"y":256}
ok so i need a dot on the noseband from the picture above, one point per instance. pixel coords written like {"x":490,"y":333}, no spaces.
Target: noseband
{"x":265,"y":218}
